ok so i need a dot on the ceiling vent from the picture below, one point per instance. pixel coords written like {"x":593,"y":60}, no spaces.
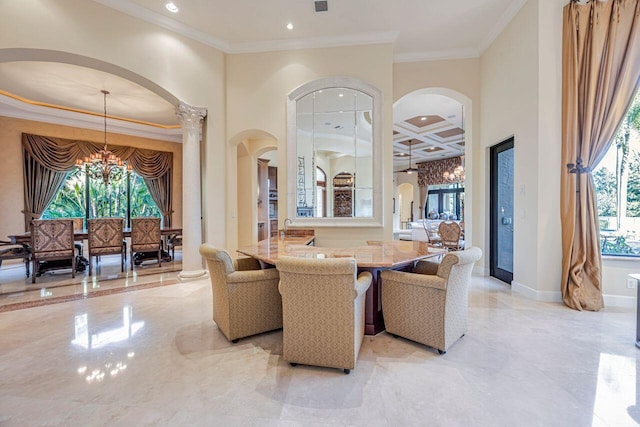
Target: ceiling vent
{"x":321,"y":5}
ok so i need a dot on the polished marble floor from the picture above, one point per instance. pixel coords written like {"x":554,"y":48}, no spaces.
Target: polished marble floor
{"x":17,"y":291}
{"x":154,"y":357}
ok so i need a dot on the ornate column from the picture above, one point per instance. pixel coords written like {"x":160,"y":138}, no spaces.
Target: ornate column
{"x":191,"y":121}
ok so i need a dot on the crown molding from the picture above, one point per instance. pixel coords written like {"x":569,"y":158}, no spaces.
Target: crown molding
{"x":152,"y":17}
{"x":436,"y":55}
{"x":10,"y":107}
{"x":132,"y":9}
{"x":510,"y":12}
{"x":317,"y":42}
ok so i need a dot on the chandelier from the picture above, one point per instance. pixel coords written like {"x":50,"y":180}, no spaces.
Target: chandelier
{"x":103,"y":164}
{"x":456,"y":176}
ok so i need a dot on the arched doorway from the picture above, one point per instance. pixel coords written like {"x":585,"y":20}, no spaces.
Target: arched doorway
{"x":433,"y":124}
{"x":405,"y":204}
{"x":250,"y":190}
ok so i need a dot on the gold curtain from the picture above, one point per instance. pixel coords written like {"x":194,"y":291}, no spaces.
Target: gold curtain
{"x":431,"y":173}
{"x":600,"y":75}
{"x":47,"y":161}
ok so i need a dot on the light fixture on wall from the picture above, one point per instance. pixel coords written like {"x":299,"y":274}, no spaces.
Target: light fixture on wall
{"x":103,"y":164}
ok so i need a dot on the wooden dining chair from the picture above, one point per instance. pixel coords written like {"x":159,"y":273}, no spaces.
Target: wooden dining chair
{"x":450,"y":234}
{"x":433,"y":237}
{"x":52,"y":239}
{"x":146,"y":237}
{"x":106,"y":237}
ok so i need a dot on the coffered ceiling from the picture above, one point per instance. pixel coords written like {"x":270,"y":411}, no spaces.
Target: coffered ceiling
{"x":427,"y":127}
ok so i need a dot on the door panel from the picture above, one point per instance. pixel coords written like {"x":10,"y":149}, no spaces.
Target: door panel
{"x":502,"y":170}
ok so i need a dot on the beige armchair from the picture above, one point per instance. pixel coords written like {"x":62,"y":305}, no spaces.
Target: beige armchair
{"x":245,"y":299}
{"x":430,"y":305}
{"x":323,"y":311}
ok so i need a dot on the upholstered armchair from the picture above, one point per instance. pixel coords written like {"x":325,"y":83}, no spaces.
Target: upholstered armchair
{"x":245,"y":299}
{"x":146,"y":237}
{"x":106,"y":237}
{"x":430,"y":305}
{"x":52,"y":239}
{"x":322,"y":311}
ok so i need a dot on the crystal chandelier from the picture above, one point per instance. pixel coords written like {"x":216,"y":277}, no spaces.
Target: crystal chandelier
{"x":456,"y":176}
{"x":103,"y":164}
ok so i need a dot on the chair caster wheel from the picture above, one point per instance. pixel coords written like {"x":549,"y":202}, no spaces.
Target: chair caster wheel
{"x":441,"y":352}
{"x":235,"y":341}
{"x":347,"y":371}
{"x":293,"y":364}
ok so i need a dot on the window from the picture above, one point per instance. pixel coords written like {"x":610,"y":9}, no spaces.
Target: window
{"x":445,"y":202}
{"x":126,"y":196}
{"x":617,"y":183}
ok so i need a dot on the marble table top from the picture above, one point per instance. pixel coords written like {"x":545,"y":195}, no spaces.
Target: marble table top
{"x":376,"y":254}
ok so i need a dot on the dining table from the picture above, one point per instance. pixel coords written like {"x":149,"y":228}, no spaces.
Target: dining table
{"x":374,"y":257}
{"x":83,"y":234}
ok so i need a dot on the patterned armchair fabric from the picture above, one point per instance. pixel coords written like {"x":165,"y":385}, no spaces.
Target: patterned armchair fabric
{"x":323,"y":311}
{"x":245,"y":299}
{"x":430,"y":305}
{"x":106,"y":237}
{"x":146,"y":237}
{"x":52,"y":239}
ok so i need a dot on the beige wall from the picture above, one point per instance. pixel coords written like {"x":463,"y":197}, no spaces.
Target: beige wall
{"x":509,"y":72}
{"x":257,"y":89}
{"x":142,"y":52}
{"x":11,"y":164}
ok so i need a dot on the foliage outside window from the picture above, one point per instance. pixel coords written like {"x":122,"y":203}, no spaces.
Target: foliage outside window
{"x":617,"y":183}
{"x":103,"y":200}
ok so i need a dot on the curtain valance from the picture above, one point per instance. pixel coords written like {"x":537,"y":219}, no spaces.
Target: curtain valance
{"x":60,"y":154}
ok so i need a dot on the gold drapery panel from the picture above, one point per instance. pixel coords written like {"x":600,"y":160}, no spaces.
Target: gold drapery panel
{"x":431,"y":173}
{"x":600,"y":75}
{"x":47,"y":161}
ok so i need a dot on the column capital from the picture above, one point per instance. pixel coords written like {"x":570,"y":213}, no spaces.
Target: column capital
{"x":190,"y":116}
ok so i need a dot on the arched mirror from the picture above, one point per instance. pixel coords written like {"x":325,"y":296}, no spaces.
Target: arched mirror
{"x":334,"y":127}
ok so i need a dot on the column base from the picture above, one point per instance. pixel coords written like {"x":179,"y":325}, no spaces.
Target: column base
{"x":191,"y":274}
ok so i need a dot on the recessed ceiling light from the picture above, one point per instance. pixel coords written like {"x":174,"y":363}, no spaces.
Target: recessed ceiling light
{"x":171,"y":7}
{"x":289,"y":26}
{"x":341,"y":95}
{"x":423,"y":118}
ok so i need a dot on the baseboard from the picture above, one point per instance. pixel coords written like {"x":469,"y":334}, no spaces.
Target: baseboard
{"x":619,"y":301}
{"x":553,"y":296}
{"x":546,"y":296}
